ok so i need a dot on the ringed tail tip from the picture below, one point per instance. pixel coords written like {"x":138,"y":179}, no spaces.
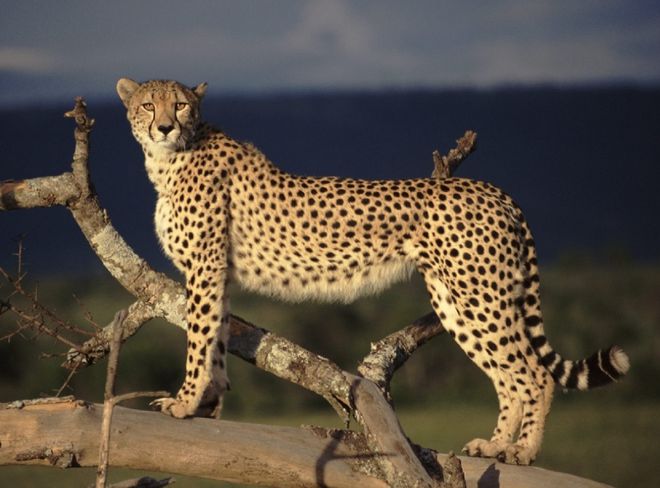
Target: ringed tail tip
{"x":619,"y":360}
{"x":601,"y":368}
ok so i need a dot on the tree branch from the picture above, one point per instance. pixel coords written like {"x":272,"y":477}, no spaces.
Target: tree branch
{"x":65,"y":434}
{"x":446,"y":165}
{"x":390,"y":353}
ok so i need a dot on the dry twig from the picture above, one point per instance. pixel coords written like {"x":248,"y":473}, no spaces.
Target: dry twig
{"x":446,"y":165}
{"x":110,"y":400}
{"x":34,"y":315}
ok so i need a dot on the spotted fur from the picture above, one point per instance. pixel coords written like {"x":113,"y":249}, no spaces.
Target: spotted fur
{"x":226,"y":213}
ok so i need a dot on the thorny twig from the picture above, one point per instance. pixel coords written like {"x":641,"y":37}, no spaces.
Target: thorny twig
{"x":66,"y":381}
{"x":34,"y":315}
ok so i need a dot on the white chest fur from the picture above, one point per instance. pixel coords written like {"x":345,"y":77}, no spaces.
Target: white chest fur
{"x":161,"y":169}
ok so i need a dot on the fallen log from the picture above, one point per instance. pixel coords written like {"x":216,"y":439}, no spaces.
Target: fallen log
{"x":65,"y":434}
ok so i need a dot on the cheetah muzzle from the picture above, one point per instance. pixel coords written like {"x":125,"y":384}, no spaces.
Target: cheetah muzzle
{"x":225,"y":213}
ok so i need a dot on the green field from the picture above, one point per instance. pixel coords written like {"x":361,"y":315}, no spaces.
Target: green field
{"x":443,"y":401}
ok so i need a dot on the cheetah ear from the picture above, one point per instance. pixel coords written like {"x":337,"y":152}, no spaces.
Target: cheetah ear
{"x":200,"y":90}
{"x":125,"y":88}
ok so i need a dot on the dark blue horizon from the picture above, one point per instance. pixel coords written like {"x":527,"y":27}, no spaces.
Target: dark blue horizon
{"x":581,"y":161}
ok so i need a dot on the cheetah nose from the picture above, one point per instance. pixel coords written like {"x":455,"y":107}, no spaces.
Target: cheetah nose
{"x":165,"y":129}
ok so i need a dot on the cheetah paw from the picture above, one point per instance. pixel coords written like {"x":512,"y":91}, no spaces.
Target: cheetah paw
{"x":517,"y":454}
{"x":484,"y":448}
{"x":504,"y":452}
{"x":171,"y":406}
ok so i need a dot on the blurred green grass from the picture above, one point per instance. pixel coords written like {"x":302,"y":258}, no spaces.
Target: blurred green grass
{"x":443,"y":400}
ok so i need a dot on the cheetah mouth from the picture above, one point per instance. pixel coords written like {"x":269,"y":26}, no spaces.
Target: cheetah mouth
{"x":171,"y":142}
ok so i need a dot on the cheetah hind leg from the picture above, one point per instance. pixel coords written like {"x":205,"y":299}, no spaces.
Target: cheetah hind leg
{"x":501,"y":445}
{"x":522,"y":452}
{"x":452,"y":312}
{"x":535,"y":403}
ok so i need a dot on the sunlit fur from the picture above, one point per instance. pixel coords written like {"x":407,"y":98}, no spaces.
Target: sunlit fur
{"x":225,"y":212}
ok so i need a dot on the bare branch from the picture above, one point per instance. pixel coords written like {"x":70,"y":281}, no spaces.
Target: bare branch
{"x":66,"y":381}
{"x":401,"y":466}
{"x":446,"y":165}
{"x":98,"y":346}
{"x":390,"y":353}
{"x":108,"y":404}
{"x":48,"y":191}
{"x":110,"y":400}
{"x":32,"y":314}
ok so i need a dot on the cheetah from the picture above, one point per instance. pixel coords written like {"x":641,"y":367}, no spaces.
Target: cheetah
{"x":225,"y":213}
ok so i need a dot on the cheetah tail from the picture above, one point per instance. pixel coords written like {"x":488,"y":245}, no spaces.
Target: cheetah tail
{"x":599,"y":369}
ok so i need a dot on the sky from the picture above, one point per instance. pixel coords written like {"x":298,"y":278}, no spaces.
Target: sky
{"x":54,"y":49}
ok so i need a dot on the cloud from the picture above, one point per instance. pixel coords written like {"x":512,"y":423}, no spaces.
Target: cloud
{"x":338,"y":44}
{"x":576,"y":45}
{"x":25,"y":60}
{"x":329,"y":28}
{"x":290,"y":44}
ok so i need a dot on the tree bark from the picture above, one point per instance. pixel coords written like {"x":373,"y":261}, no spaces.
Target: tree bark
{"x":65,"y":434}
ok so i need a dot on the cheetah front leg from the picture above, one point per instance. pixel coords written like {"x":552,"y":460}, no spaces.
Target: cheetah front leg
{"x":211,"y":403}
{"x":207,"y":323}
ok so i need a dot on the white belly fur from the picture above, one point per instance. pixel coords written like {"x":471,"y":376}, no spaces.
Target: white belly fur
{"x":365,"y":281}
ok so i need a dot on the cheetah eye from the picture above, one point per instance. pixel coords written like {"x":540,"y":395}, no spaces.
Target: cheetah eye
{"x":181,"y":105}
{"x":149,"y":107}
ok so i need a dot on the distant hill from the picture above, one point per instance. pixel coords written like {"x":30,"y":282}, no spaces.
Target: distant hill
{"x":584,"y":163}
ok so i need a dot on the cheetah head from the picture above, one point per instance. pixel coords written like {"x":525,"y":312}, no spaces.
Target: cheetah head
{"x":163,"y":114}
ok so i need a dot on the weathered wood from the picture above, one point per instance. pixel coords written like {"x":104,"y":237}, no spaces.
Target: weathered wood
{"x":487,"y":473}
{"x":400,"y":464}
{"x":48,"y":191}
{"x":391,"y":352}
{"x":65,"y":434}
{"x":446,"y":165}
{"x":230,"y":451}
